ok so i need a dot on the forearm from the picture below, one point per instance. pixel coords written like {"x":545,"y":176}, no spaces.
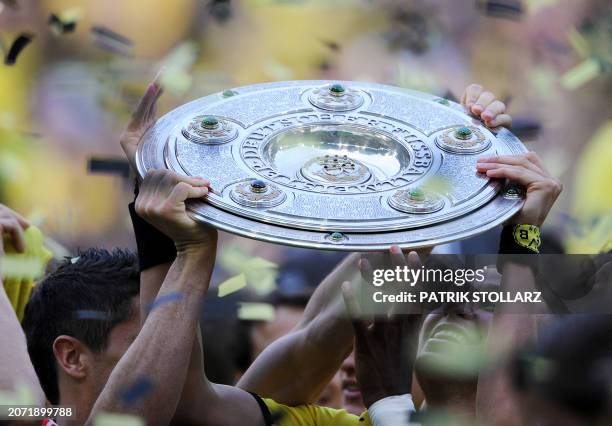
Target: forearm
{"x":313,"y":352}
{"x":15,"y":367}
{"x":509,"y":330}
{"x":161,"y":352}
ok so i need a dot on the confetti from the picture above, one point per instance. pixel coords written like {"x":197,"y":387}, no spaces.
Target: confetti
{"x":162,"y":300}
{"x":17,"y":47}
{"x":22,"y":395}
{"x":110,"y":166}
{"x":18,"y":266}
{"x":109,"y":419}
{"x":111,"y":41}
{"x":232,"y":285}
{"x":511,"y":9}
{"x":256,"y":311}
{"x":579,"y":43}
{"x":581,"y":74}
{"x":65,"y":22}
{"x":331,"y":45}
{"x":86,"y":314}
{"x":176,"y":77}
{"x":137,"y":391}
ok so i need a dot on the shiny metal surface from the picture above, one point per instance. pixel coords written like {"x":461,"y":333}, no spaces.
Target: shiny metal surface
{"x":335,"y":165}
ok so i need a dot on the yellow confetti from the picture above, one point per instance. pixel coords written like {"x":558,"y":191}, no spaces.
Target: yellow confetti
{"x":256,"y":311}
{"x":579,"y":43}
{"x":109,"y":419}
{"x":581,"y":74}
{"x":232,"y":285}
{"x":22,"y":395}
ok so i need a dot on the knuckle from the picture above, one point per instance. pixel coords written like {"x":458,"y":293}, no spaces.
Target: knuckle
{"x":474,"y":87}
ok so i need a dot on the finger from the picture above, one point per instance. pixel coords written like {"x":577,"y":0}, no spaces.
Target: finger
{"x":504,"y":120}
{"x":353,"y":309}
{"x":140,"y":113}
{"x":512,"y":160}
{"x":515,"y":173}
{"x":14,"y":229}
{"x":23,"y":222}
{"x":535,"y":159}
{"x":397,"y":256}
{"x":152,"y":112}
{"x":493,"y":110}
{"x":482,"y":102}
{"x":367,"y":272}
{"x":471,"y":93}
{"x":183,"y":191}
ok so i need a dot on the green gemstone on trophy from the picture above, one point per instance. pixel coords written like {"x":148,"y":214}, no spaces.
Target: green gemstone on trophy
{"x":336,"y":236}
{"x":337,"y":89}
{"x":210,"y":122}
{"x":417,"y":194}
{"x":229,"y":93}
{"x":463,"y":133}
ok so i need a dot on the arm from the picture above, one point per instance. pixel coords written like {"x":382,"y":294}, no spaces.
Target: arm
{"x":15,"y":367}
{"x":313,"y":351}
{"x":152,"y":275}
{"x":163,"y":348}
{"x":511,"y":330}
{"x":385,"y":353}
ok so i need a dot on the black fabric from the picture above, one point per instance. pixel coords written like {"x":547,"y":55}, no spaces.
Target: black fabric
{"x":265,"y":412}
{"x":154,"y":248}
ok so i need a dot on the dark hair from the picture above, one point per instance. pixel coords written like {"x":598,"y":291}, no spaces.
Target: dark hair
{"x":85,"y":297}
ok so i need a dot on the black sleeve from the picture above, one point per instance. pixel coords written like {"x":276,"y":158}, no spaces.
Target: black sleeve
{"x":265,"y":412}
{"x":154,"y":247}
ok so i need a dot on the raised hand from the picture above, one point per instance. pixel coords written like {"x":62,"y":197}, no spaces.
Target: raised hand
{"x":161,"y":202}
{"x":142,"y":119}
{"x":484,"y":105}
{"x":527,"y":169}
{"x":13,"y":224}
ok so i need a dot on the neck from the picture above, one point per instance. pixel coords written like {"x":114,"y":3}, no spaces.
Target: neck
{"x":80,"y":400}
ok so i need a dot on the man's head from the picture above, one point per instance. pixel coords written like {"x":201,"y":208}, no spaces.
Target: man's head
{"x":81,"y":319}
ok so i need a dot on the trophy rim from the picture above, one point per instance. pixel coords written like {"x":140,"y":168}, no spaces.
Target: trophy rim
{"x":259,"y":228}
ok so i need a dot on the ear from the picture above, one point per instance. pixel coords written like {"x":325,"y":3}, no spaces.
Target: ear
{"x":71,"y":356}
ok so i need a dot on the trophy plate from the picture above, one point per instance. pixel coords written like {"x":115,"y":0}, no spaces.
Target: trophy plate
{"x":336,"y":165}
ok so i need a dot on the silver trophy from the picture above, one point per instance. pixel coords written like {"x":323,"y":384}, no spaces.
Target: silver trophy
{"x":336,"y":165}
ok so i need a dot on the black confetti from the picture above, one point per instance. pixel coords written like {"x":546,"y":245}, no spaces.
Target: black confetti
{"x":17,"y":47}
{"x":111,"y":41}
{"x":111,"y":166}
{"x":61,"y":27}
{"x":510,"y":9}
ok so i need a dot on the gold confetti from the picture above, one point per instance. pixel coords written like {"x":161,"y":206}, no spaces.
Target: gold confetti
{"x":110,"y":419}
{"x":580,"y":74}
{"x":232,"y":285}
{"x":256,"y":311}
{"x":579,"y":43}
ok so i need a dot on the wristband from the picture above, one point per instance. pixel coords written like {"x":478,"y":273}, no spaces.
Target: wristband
{"x":154,"y":247}
{"x":518,"y":243}
{"x":392,"y":411}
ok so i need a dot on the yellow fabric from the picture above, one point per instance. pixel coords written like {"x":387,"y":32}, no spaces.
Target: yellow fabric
{"x":591,"y":229}
{"x":19,"y":270}
{"x":313,"y":415}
